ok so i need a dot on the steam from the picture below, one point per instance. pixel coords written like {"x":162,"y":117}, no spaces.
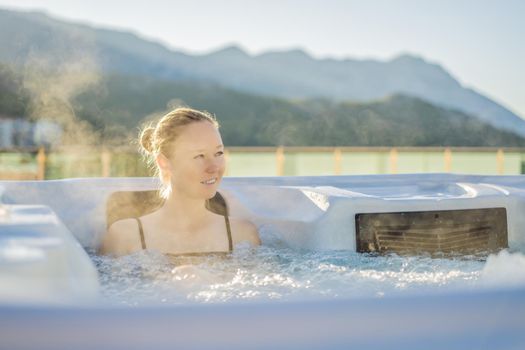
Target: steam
{"x":504,"y":270}
{"x":154,"y":117}
{"x":53,"y":79}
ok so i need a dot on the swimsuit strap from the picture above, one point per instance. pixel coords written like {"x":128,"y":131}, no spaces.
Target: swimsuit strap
{"x":228,"y":229}
{"x":221,"y":203}
{"x":141,"y":230}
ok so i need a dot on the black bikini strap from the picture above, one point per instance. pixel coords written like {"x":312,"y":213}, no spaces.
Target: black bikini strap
{"x":228,"y":229}
{"x":141,"y":230}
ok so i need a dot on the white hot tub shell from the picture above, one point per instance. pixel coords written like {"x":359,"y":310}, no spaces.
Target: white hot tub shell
{"x":50,"y":221}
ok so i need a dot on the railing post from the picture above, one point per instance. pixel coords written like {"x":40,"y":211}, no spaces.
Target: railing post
{"x":337,"y":161}
{"x":393,"y":160}
{"x":279,"y":156}
{"x":41,"y":164}
{"x":105,"y":157}
{"x":447,"y":155}
{"x":500,"y":158}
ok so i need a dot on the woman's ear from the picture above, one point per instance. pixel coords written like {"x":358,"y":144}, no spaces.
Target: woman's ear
{"x":164,"y":165}
{"x":162,"y":161}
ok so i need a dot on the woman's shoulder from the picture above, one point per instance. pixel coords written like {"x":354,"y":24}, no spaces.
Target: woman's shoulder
{"x":121,"y":238}
{"x":244,"y":231}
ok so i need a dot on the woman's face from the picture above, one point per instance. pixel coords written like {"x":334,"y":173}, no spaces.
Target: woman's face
{"x":197,"y":161}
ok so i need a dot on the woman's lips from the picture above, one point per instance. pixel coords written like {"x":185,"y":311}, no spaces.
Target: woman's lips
{"x":209,"y":181}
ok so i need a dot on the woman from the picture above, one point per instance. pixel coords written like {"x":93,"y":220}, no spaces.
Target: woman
{"x":187,"y":149}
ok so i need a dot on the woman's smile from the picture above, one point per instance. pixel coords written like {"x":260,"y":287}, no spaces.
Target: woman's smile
{"x":211,"y":181}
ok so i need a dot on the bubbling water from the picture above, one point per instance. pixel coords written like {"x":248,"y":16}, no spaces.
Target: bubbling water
{"x":278,"y":273}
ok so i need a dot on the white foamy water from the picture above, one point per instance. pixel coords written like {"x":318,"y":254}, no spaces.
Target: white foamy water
{"x":504,"y":270}
{"x":283,"y":274}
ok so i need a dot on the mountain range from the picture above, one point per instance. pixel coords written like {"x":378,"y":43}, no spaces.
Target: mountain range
{"x":288,"y":75}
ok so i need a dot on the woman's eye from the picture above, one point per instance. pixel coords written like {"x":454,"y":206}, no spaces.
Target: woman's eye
{"x":220,"y":153}
{"x":199,"y":156}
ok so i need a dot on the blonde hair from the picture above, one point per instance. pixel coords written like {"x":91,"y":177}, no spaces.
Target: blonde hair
{"x":156,"y":139}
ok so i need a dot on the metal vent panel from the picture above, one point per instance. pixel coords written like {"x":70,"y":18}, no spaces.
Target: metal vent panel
{"x":444,"y":231}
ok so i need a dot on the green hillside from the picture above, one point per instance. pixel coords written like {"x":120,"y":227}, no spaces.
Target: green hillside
{"x":118,"y":104}
{"x":249,"y":120}
{"x":14,"y":100}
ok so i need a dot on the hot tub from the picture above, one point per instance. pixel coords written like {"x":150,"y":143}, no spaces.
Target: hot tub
{"x":304,"y":214}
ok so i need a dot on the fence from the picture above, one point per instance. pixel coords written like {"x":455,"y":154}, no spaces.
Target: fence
{"x":31,"y":164}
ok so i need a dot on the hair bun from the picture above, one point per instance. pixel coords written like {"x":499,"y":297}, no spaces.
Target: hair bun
{"x":146,"y":139}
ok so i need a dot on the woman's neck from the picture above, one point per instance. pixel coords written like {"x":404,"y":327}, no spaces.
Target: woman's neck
{"x":184,"y":212}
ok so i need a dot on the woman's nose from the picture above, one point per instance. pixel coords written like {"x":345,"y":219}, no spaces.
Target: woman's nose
{"x":212,"y":166}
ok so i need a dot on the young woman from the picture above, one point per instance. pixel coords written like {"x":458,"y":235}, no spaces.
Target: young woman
{"x":187,"y":149}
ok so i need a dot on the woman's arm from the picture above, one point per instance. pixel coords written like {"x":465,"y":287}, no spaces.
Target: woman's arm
{"x":122,"y":238}
{"x":244,"y":231}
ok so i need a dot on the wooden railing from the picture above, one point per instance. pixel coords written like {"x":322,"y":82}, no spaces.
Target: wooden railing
{"x":107,"y":158}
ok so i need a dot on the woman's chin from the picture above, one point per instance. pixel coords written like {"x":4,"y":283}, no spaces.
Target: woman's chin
{"x":211,"y":190}
{"x":209,"y":193}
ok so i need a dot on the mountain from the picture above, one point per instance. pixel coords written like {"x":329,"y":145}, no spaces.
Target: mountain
{"x":118,"y":104}
{"x":32,"y":36}
{"x":250,"y":120}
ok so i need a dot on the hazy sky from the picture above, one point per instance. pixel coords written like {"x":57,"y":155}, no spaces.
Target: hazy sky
{"x":480,"y":42}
